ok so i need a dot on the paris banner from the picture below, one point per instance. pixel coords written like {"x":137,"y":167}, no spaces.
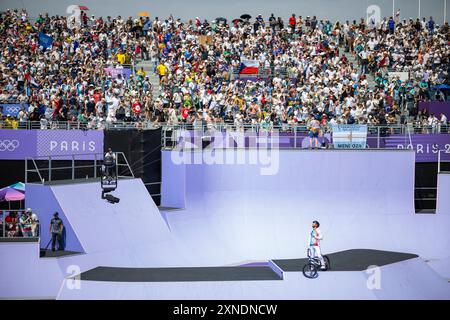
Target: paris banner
{"x":59,"y":144}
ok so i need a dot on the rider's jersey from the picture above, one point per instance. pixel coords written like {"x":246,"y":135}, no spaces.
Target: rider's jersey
{"x":312,"y":240}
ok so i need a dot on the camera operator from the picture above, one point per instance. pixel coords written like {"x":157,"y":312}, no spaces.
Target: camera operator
{"x":109,"y":162}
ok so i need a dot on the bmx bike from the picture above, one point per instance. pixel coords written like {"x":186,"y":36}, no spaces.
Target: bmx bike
{"x":310,"y":270}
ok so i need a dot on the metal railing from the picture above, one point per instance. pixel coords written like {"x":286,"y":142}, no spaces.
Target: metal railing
{"x":44,"y":167}
{"x":149,"y":125}
{"x":15,"y":228}
{"x":283,"y":137}
{"x":159,"y":183}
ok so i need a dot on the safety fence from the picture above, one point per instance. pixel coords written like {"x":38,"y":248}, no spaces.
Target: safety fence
{"x":71,"y":167}
{"x":436,"y":128}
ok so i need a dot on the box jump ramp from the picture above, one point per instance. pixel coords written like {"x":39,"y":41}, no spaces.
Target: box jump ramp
{"x":237,"y":229}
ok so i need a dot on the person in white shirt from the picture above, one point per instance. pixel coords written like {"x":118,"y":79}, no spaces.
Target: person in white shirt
{"x":109,"y":162}
{"x":113,"y":104}
{"x":314,"y":243}
{"x":364,"y":60}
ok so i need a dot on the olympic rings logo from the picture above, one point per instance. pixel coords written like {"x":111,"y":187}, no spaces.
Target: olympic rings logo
{"x":13,"y":109}
{"x":9,"y":145}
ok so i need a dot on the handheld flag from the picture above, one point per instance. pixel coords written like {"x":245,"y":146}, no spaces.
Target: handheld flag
{"x":249,"y":67}
{"x":45,"y":41}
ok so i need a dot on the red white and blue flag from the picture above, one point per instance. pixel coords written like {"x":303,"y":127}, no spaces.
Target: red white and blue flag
{"x":249,"y":67}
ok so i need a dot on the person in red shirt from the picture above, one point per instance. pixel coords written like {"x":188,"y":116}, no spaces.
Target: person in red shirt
{"x":57,"y":104}
{"x":292,"y":22}
{"x":97,"y":96}
{"x":11,"y":225}
{"x":185,"y":113}
{"x":137,"y":108}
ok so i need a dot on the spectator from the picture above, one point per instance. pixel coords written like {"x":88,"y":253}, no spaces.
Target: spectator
{"x":2,"y":225}
{"x":26,"y":224}
{"x":292,"y":23}
{"x":34,"y":223}
{"x":299,"y":72}
{"x":11,"y":222}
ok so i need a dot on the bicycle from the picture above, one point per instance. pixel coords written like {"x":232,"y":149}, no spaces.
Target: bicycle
{"x":310,"y":269}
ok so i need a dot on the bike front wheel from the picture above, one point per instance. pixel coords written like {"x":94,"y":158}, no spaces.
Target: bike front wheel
{"x":310,"y":271}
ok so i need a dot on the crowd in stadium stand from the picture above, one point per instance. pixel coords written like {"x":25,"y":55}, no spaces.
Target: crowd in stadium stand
{"x":15,"y":224}
{"x":308,"y":74}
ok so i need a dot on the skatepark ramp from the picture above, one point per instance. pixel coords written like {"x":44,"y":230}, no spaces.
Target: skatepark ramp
{"x":130,"y":233}
{"x":409,"y":279}
{"x":232,"y":214}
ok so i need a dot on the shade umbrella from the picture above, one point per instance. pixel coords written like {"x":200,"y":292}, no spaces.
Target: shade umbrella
{"x":83,"y":8}
{"x":246,"y":16}
{"x":10,"y":194}
{"x":236,"y":21}
{"x":221,"y":19}
{"x":19,"y":186}
{"x":143,"y":14}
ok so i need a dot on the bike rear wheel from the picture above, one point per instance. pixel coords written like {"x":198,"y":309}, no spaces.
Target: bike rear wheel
{"x":326,"y":259}
{"x":310,"y":271}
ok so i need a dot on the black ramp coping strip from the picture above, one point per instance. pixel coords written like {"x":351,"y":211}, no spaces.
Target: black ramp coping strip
{"x":350,"y":260}
{"x":17,"y":240}
{"x":116,"y":274}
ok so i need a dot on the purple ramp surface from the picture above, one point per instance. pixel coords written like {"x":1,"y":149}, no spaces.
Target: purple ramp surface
{"x":363,"y":199}
{"x":443,"y":194}
{"x":24,"y":275}
{"x":173,"y":188}
{"x":411,"y":279}
{"x":44,"y":203}
{"x":102,"y":226}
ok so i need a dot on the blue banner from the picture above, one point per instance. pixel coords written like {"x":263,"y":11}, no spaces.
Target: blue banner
{"x":13,"y":109}
{"x":349,"y":136}
{"x":45,"y":41}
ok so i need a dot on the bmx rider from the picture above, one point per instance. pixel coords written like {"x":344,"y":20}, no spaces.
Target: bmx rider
{"x":314,"y":243}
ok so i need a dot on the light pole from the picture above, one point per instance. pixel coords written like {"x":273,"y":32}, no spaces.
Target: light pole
{"x":445,"y":11}
{"x":419,"y":9}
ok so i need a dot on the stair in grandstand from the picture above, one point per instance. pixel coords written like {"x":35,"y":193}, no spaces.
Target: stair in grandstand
{"x":149,"y":67}
{"x":352,"y":59}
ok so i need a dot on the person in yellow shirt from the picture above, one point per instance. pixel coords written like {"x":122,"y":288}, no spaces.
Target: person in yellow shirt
{"x":11,"y":123}
{"x":161,"y":69}
{"x":121,"y":57}
{"x":141,"y":73}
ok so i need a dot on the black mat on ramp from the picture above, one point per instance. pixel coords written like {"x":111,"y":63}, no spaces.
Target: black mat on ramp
{"x":179,"y":274}
{"x":350,"y":260}
{"x":56,"y":254}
